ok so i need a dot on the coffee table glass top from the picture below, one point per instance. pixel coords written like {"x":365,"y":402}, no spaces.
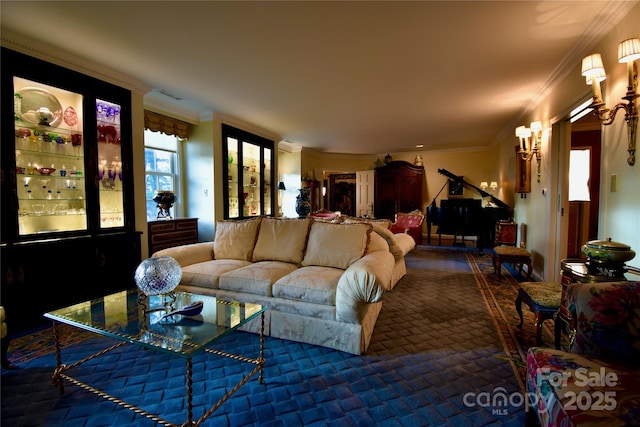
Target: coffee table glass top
{"x":123,"y":317}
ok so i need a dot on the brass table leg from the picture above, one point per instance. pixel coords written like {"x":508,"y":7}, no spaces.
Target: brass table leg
{"x":55,"y":379}
{"x":261,"y":358}
{"x":189,"y":393}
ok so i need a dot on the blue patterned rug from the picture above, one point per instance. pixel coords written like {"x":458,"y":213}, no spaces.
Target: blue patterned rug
{"x":437,"y":353}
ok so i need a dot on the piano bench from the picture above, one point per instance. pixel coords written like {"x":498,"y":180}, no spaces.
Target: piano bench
{"x":512,"y":255}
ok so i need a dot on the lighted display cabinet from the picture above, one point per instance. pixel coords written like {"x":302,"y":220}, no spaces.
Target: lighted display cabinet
{"x":68,"y":229}
{"x":249,"y":174}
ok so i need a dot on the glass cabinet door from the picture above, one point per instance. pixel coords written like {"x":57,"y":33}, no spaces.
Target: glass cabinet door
{"x":50,"y":174}
{"x":233,"y":177}
{"x":110,"y":186}
{"x":249,"y":174}
{"x":251,"y":180}
{"x":267,"y":190}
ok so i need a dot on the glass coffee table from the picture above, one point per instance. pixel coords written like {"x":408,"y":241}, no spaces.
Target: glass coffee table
{"x":130,"y":317}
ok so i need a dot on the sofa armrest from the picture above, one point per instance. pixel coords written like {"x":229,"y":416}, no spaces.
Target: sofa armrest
{"x":364,"y":282}
{"x":405,"y":242}
{"x":189,"y":254}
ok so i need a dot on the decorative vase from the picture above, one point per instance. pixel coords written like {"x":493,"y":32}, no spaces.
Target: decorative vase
{"x":165,"y":200}
{"x":158,"y":276}
{"x":303,"y":202}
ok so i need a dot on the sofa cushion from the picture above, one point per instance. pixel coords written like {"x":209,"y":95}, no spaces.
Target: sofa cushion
{"x":336,"y":245}
{"x":282,"y":240}
{"x":235,"y":239}
{"x":310,"y":284}
{"x":569,"y":389}
{"x":207,"y":274}
{"x":257,"y":278}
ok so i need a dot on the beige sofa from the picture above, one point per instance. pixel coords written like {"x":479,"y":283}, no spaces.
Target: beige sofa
{"x":324,"y":282}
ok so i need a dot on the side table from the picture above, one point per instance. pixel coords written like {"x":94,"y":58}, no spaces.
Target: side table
{"x":167,"y":233}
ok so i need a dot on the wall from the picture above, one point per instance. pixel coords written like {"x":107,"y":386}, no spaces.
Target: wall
{"x":475,"y":165}
{"x":289,"y":173}
{"x":199,"y":177}
{"x":543,"y":209}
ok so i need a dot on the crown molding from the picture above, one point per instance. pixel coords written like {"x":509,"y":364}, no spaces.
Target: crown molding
{"x":157,"y":105}
{"x":289,"y":147}
{"x":54,"y":55}
{"x":246,"y":126}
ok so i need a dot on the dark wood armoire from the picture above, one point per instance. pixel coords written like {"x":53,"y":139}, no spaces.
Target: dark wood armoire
{"x":398,"y":188}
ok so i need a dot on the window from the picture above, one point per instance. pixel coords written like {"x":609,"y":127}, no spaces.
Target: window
{"x":161,"y":169}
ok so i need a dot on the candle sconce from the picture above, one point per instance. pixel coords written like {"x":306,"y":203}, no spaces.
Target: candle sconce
{"x":530,"y":144}
{"x":593,"y":70}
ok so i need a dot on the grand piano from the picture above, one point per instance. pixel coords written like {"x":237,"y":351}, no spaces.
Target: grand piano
{"x":463,"y":217}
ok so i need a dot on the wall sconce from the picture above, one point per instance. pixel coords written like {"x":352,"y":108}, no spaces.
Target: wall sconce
{"x":593,"y":70}
{"x":528,"y":149}
{"x":484,"y":185}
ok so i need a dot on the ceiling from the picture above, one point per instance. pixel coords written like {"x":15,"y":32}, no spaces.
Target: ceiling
{"x":343,"y":77}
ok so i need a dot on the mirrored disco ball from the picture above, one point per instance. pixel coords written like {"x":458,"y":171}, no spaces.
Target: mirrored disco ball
{"x":157,"y":276}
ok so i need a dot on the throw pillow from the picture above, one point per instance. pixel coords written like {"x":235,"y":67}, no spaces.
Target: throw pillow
{"x":282,"y":240}
{"x":387,"y":235}
{"x":235,"y":239}
{"x":336,"y":245}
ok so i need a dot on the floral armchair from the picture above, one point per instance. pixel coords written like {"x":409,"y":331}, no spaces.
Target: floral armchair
{"x":410,"y":223}
{"x":597,"y":382}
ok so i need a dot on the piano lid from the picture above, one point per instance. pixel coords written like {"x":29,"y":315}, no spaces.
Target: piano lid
{"x":483,"y":193}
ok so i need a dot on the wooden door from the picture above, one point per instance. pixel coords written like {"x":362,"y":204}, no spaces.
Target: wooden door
{"x":364,"y":193}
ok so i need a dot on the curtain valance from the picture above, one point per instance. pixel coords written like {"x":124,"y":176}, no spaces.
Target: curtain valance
{"x":161,"y":123}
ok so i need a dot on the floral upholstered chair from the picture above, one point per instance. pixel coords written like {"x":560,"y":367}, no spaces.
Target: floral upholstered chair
{"x":598,"y":382}
{"x":410,"y":223}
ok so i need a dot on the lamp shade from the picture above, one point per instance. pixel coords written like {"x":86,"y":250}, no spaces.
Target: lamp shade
{"x":592,"y":64}
{"x":629,"y":50}
{"x":598,"y":76}
{"x":281,"y":186}
{"x":484,"y":185}
{"x":493,"y":185}
{"x":536,"y":126}
{"x":158,"y":276}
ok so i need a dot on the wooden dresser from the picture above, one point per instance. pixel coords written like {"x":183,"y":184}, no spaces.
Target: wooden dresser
{"x":172,"y":232}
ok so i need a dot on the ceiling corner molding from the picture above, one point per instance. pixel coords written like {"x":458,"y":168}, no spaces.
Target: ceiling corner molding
{"x":206,"y":116}
{"x":54,"y":55}
{"x":170,"y":109}
{"x":289,"y":147}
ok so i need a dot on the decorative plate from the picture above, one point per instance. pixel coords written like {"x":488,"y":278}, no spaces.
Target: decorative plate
{"x":40,"y":106}
{"x":70,"y":116}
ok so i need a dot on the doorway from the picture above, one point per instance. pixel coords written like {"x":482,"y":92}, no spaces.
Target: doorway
{"x":584,"y":204}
